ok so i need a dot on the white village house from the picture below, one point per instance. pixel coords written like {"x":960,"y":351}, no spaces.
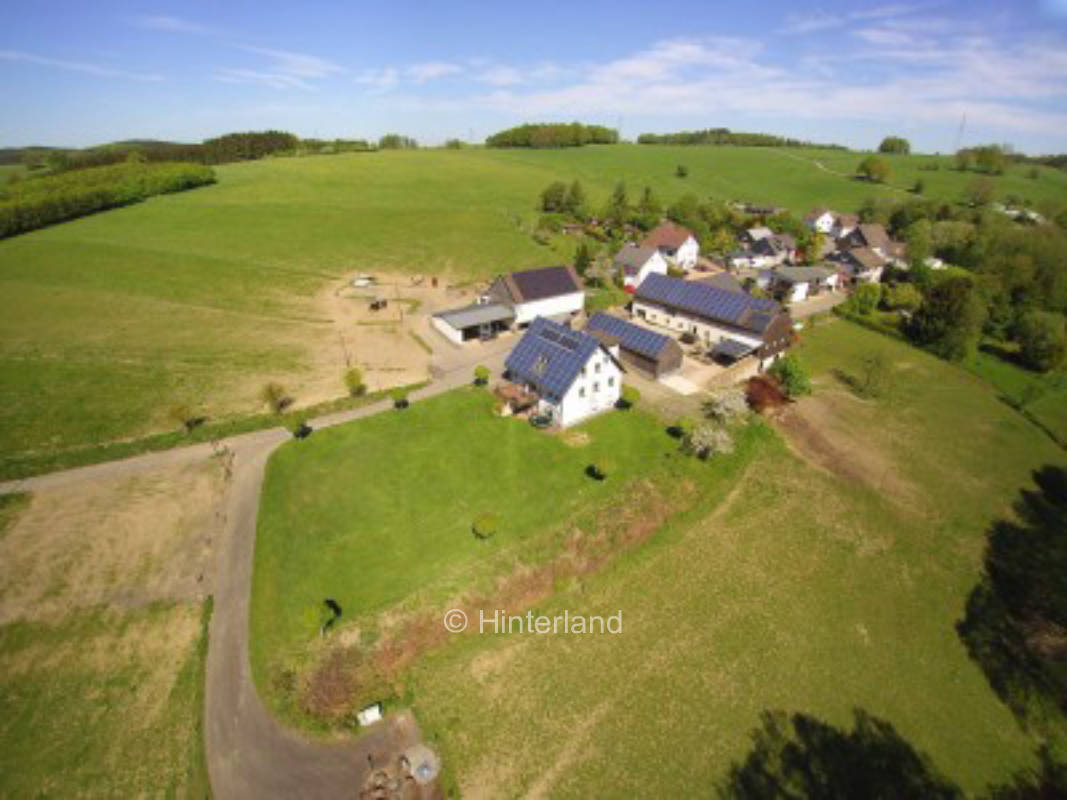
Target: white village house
{"x":513,"y":301}
{"x":677,"y":244}
{"x":821,"y":220}
{"x":569,"y":374}
{"x":637,"y":263}
{"x":794,"y":284}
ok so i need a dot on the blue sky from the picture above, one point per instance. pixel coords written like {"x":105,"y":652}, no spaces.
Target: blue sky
{"x":76,"y":74}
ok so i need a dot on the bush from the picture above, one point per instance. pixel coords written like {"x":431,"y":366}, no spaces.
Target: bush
{"x":274,"y":397}
{"x":681,"y":171}
{"x":601,"y":469}
{"x":791,"y":375}
{"x":485,"y":525}
{"x":763,"y":393}
{"x":707,"y":440}
{"x":1042,"y":340}
{"x":902,"y":297}
{"x":865,"y":297}
{"x":727,"y":405}
{"x":628,"y":398}
{"x":354,"y":381}
{"x":400,"y":398}
{"x":875,"y":375}
{"x":481,"y":375}
{"x":874,"y":169}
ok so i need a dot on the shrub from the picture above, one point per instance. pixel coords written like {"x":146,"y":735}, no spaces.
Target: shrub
{"x":866,"y":297}
{"x":763,"y":393}
{"x":485,"y":525}
{"x":354,"y":381}
{"x":727,"y":405}
{"x":400,"y":398}
{"x":628,"y":398}
{"x":185,"y":416}
{"x":875,"y":375}
{"x":874,"y":169}
{"x":481,"y":375}
{"x":681,"y":171}
{"x":682,"y":428}
{"x":903,"y":296}
{"x":601,"y":468}
{"x":1042,"y":340}
{"x":707,"y":440}
{"x":274,"y":396}
{"x":791,"y":375}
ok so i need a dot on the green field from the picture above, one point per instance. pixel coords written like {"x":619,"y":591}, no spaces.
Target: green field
{"x":802,"y":589}
{"x":201,"y":297}
{"x":399,"y":536}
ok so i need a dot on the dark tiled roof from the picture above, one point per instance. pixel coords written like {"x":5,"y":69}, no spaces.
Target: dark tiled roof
{"x":537,"y":284}
{"x":631,"y":337}
{"x":738,"y":309}
{"x":631,"y":258}
{"x":549,"y":357}
{"x":667,"y":235}
{"x":723,"y":280}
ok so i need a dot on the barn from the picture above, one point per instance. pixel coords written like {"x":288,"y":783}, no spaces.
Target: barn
{"x":651,"y":353}
{"x":478,"y":321}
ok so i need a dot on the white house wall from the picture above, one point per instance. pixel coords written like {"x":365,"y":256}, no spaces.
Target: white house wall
{"x":582,"y":400}
{"x":681,"y":322}
{"x":452,"y":334}
{"x":549,"y":307}
{"x":686,"y":256}
{"x":656,"y":264}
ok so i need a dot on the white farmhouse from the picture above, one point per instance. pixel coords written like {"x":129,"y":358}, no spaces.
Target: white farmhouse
{"x":821,"y":220}
{"x":545,"y":292}
{"x":637,"y":263}
{"x":677,"y":244}
{"x":571,"y":373}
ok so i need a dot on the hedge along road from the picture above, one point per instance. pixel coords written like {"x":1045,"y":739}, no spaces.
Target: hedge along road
{"x":249,"y":754}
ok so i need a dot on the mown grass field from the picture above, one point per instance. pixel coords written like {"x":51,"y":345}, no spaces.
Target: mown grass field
{"x":110,"y":320}
{"x":804,"y":590}
{"x":378,"y":515}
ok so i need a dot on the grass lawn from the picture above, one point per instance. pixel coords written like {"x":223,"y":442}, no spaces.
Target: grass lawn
{"x":203,"y":296}
{"x":377,"y":515}
{"x":1042,"y":396}
{"x":805,"y":591}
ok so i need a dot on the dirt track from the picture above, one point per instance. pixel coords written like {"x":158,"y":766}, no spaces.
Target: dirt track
{"x":249,"y":754}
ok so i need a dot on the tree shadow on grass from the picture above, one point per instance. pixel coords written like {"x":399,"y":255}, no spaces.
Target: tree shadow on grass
{"x":1015,"y":625}
{"x":799,"y":756}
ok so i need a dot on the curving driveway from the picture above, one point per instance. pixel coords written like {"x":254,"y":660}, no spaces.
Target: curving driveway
{"x":249,"y":753}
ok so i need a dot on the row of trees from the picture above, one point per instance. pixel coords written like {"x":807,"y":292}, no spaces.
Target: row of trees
{"x":724,"y":136}
{"x":34,"y":203}
{"x":396,"y":141}
{"x":572,"y":134}
{"x":895,"y":144}
{"x":990,"y":158}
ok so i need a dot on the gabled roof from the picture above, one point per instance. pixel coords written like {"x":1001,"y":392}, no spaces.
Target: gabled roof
{"x":848,"y":220}
{"x":775,"y":244}
{"x":757,"y":234}
{"x":865,"y":258}
{"x":630,"y":337}
{"x":549,"y":357}
{"x":537,"y":284}
{"x":817,"y":212}
{"x":873,"y":235}
{"x":723,"y":280}
{"x":631,"y":258}
{"x":738,"y":309}
{"x":667,"y":235}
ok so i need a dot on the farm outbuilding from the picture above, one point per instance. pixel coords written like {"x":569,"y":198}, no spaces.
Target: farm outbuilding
{"x":478,"y":321}
{"x":652,"y":353}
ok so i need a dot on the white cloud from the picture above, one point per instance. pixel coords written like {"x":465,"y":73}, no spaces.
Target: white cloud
{"x":273,"y":80}
{"x":299,"y":65}
{"x":161,"y":22}
{"x":379,"y":80}
{"x":500,"y":76}
{"x":431,"y":71}
{"x":77,"y":66}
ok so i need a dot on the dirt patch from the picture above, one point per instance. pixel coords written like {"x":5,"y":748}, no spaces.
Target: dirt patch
{"x":123,"y":541}
{"x":822,"y":431}
{"x":575,"y":438}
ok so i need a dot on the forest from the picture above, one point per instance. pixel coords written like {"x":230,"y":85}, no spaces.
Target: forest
{"x":540,"y":135}
{"x":724,"y":136}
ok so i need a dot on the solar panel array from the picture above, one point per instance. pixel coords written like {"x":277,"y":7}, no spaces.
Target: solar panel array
{"x":631,"y":337}
{"x":733,"y":348}
{"x":549,"y":357}
{"x":735,"y":308}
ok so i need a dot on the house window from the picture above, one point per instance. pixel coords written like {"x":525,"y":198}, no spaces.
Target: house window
{"x":596,"y":386}
{"x":581,"y":391}
{"x":596,"y":368}
{"x":611,"y":381}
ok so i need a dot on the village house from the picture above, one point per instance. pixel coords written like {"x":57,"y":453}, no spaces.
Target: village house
{"x":677,"y":244}
{"x":864,"y":264}
{"x":875,"y":237}
{"x":731,"y":324}
{"x":636,"y":263}
{"x":844,"y":224}
{"x":569,"y":375}
{"x":821,"y":220}
{"x":794,"y":284}
{"x":513,"y":301}
{"x":651,"y":353}
{"x":751,"y":236}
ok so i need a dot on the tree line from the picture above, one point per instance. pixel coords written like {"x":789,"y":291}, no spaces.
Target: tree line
{"x":37,"y":202}
{"x":541,"y":135}
{"x":724,"y":136}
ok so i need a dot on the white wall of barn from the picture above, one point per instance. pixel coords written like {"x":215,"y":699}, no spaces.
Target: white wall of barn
{"x":705,"y":331}
{"x":549,"y":307}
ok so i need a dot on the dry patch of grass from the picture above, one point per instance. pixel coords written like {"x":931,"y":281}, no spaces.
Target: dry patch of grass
{"x":122,"y":541}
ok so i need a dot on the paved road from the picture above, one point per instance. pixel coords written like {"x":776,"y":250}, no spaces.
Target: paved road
{"x":249,"y":754}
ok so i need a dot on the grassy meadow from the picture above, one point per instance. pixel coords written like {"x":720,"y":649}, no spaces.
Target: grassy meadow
{"x":201,"y":297}
{"x":812,"y":587}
